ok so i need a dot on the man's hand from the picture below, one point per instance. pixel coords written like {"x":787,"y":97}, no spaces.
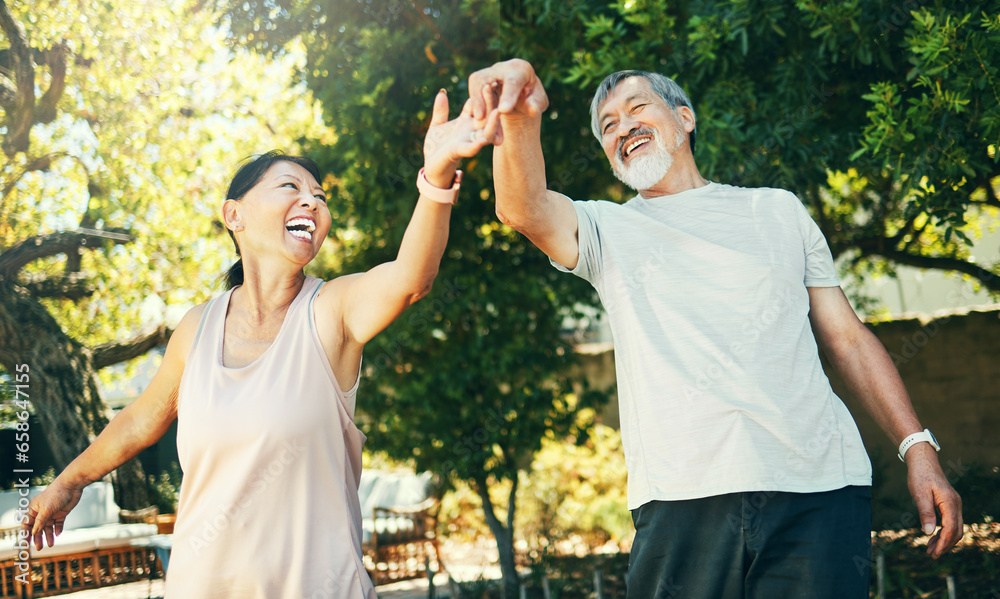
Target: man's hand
{"x":931,"y":491}
{"x":515,"y":88}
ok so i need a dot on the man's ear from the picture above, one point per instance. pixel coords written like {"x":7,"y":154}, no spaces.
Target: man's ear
{"x":687,"y":118}
{"x":231,"y":215}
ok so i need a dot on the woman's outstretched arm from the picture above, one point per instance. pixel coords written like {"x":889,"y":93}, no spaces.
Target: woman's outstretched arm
{"x":368,"y":302}
{"x":136,"y":427}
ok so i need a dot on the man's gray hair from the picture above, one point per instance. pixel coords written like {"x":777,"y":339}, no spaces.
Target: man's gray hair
{"x":664,"y":87}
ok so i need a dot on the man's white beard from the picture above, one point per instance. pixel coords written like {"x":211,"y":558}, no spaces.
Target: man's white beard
{"x":650,"y":167}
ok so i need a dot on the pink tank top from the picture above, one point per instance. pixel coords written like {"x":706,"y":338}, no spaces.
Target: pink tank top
{"x":272,"y":459}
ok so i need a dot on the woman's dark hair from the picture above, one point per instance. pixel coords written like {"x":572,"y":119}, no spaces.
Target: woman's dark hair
{"x":246,"y":178}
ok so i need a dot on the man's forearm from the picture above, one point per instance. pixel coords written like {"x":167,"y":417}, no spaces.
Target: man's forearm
{"x":519,"y":172}
{"x":872,"y":378}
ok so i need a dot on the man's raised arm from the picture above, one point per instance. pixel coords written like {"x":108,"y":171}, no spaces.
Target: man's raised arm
{"x":545,"y":217}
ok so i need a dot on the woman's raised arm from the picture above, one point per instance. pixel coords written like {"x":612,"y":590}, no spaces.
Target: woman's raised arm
{"x":368,"y":302}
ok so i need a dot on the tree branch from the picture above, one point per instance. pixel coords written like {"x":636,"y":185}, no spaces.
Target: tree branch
{"x":55,"y":57}
{"x":906,"y":229}
{"x":41,"y":163}
{"x":22,"y":116}
{"x":8,"y":93}
{"x":991,"y":196}
{"x":71,"y":287}
{"x":987,"y":278}
{"x":41,"y":246}
{"x":108,"y":354}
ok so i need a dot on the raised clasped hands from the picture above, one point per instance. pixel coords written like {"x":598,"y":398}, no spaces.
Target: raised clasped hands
{"x":509,"y":89}
{"x":512,"y":86}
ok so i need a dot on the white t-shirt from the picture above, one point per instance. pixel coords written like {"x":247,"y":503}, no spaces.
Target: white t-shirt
{"x":720,"y":385}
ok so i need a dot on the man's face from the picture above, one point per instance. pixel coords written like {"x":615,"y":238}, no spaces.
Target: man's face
{"x":640,"y":133}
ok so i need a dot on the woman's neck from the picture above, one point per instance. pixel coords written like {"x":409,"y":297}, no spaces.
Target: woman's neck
{"x":260,"y":295}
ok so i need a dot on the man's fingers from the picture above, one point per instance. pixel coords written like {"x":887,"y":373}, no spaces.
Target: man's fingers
{"x":514,"y":85}
{"x":538,"y":101}
{"x":952,"y":530}
{"x":440,"y":113}
{"x":476,"y":82}
{"x":925,"y":509}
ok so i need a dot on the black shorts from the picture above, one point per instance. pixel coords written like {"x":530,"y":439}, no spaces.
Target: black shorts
{"x":760,"y":545}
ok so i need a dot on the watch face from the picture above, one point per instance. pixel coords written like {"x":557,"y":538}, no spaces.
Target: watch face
{"x":934,"y":440}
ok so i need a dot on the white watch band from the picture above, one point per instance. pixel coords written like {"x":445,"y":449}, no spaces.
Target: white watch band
{"x":910,"y":441}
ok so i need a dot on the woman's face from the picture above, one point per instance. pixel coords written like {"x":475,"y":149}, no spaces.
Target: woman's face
{"x":284,"y":215}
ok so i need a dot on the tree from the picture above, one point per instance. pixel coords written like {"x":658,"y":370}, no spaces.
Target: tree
{"x":110,"y":185}
{"x":468,"y":381}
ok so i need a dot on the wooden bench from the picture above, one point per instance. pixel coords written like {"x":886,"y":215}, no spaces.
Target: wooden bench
{"x":400,"y":535}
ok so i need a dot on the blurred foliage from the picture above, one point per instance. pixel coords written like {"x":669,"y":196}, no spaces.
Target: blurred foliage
{"x":138,"y":138}
{"x":575,"y":493}
{"x":44,"y":478}
{"x":155,"y":115}
{"x":165,"y":489}
{"x":883,"y":116}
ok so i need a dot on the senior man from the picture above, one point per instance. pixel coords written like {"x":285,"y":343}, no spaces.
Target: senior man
{"x":747,"y":476}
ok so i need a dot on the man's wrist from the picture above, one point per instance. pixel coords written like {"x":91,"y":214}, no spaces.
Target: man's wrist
{"x":924,"y":439}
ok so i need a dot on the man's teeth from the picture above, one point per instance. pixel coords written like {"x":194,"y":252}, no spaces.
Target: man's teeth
{"x":635,"y":145}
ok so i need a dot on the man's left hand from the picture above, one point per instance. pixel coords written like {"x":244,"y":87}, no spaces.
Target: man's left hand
{"x":934,"y":494}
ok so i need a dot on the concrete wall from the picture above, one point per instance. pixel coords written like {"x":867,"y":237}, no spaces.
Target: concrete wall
{"x":950,"y":364}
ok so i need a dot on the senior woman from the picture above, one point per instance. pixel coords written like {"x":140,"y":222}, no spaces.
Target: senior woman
{"x":262,"y":380}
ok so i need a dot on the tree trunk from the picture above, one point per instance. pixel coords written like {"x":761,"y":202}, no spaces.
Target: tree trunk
{"x":504,"y":536}
{"x":62,"y":386}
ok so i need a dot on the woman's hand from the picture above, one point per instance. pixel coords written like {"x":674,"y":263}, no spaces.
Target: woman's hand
{"x":48,"y":510}
{"x":447,"y":142}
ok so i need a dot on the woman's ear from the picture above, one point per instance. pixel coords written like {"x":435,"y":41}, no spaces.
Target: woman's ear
{"x":231,"y":215}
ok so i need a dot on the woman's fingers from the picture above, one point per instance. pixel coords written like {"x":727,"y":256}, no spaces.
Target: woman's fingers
{"x":492,"y":126}
{"x":440,"y":112}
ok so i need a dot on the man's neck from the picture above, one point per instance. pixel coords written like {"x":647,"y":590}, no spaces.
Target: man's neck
{"x":681,"y":177}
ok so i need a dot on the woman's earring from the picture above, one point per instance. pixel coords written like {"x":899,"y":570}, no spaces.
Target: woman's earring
{"x":238,"y":228}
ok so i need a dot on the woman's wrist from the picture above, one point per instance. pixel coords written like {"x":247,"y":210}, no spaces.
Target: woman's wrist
{"x":441,"y":175}
{"x":442,"y":195}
